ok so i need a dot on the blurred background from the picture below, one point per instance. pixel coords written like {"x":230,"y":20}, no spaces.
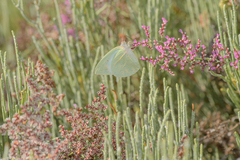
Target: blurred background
{"x":91,"y":24}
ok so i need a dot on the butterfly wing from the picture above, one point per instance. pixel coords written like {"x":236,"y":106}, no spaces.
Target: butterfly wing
{"x":124,"y":63}
{"x":104,"y":66}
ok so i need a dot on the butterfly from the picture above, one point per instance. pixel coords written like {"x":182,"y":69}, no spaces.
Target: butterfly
{"x":120,"y":62}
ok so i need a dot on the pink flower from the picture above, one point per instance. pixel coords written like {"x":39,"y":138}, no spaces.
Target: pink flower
{"x":164,"y":20}
{"x":67,"y":3}
{"x":168,"y":52}
{"x":142,"y":58}
{"x":71,"y":32}
{"x":65,"y":19}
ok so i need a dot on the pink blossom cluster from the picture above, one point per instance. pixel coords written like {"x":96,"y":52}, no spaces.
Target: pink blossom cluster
{"x":66,"y":18}
{"x":161,"y":30}
{"x":67,"y":13}
{"x":192,"y":55}
{"x":28,"y":131}
{"x":86,"y":141}
{"x":146,"y":30}
{"x":237,"y":57}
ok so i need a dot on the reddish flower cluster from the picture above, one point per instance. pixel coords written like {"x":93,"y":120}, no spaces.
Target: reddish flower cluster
{"x":169,"y":50}
{"x":85,"y":140}
{"x":28,"y":130}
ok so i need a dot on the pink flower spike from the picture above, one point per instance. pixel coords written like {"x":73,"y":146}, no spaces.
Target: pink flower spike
{"x":169,"y":48}
{"x":164,"y":20}
{"x":142,"y":58}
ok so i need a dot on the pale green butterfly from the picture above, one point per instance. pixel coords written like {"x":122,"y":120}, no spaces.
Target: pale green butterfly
{"x":120,"y":62}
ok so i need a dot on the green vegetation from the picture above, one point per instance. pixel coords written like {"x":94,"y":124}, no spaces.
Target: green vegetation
{"x":147,"y":116}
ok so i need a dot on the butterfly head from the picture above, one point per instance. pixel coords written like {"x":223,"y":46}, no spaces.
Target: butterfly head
{"x":125,"y":45}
